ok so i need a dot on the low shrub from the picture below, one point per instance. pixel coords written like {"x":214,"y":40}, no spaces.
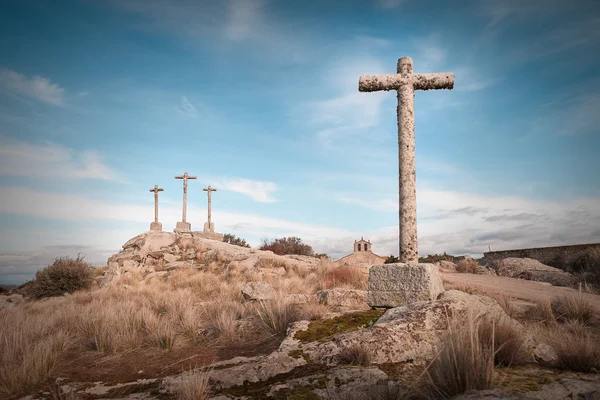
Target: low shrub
{"x":232,"y":239}
{"x":541,"y":312}
{"x":287,"y":245}
{"x":66,"y":275}
{"x":467,"y":265}
{"x":392,"y":259}
{"x":507,"y":341}
{"x":276,"y":315}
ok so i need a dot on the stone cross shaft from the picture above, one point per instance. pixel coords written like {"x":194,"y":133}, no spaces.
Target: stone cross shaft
{"x":405,"y":83}
{"x":185,"y":178}
{"x":156,"y":190}
{"x":209,"y":190}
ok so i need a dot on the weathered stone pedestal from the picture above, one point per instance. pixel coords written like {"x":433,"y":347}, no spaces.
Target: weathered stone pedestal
{"x":183,"y":227}
{"x":209,"y":227}
{"x":156,"y":226}
{"x":395,"y":285}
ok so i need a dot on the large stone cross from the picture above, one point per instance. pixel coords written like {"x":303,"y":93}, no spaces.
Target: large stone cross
{"x":209,"y":226}
{"x":184,"y":226}
{"x":156,"y":226}
{"x":405,"y":82}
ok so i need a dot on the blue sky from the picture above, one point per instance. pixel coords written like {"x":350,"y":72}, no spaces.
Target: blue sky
{"x":100,"y":101}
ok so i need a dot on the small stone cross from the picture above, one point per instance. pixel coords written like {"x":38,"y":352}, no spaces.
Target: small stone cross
{"x":184,"y":226}
{"x":209,"y":226}
{"x":405,"y":83}
{"x":156,"y":226}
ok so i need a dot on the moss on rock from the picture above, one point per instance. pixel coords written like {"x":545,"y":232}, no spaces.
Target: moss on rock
{"x":324,"y":330}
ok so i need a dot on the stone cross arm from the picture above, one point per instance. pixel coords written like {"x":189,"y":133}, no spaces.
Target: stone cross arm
{"x":373,"y":83}
{"x":210,"y":189}
{"x":157,"y":189}
{"x":185,"y":177}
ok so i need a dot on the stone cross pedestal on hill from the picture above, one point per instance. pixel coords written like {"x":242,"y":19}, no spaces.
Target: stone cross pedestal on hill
{"x":391,"y":285}
{"x":184,"y":226}
{"x":209,"y":226}
{"x":156,"y":226}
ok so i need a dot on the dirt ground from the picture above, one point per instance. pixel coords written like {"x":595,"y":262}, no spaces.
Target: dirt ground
{"x":514,"y":288}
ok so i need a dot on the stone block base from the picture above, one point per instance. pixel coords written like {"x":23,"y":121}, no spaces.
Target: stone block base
{"x":156,"y":226}
{"x":183,"y":227}
{"x":395,"y":285}
{"x":209,"y":227}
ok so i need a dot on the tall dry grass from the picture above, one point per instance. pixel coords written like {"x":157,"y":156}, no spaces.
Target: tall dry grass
{"x":193,"y":385}
{"x":175,"y":309}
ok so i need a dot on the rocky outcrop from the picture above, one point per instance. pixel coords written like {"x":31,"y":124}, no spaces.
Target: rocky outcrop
{"x":155,"y":251}
{"x":530,"y":269}
{"x":409,"y":333}
{"x":393,"y":285}
{"x":253,"y":291}
{"x":343,"y":297}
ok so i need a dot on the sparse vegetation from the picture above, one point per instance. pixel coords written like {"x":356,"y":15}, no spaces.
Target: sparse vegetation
{"x":391,"y":259}
{"x":345,"y":276}
{"x":574,"y":308}
{"x":467,"y":265}
{"x":276,"y":315}
{"x":576,"y":347}
{"x":431,"y":258}
{"x":194,"y":385}
{"x":355,"y":355}
{"x":232,"y":239}
{"x":507,"y":340}
{"x":465,"y":362}
{"x":66,"y":275}
{"x":287,"y":245}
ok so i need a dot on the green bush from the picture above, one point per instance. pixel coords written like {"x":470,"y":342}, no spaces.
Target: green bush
{"x":66,"y":275}
{"x":232,"y":239}
{"x":431,"y":258}
{"x":287,"y":245}
{"x":391,"y":259}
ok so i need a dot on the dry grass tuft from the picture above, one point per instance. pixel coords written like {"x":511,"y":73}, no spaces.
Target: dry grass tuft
{"x":574,"y":308}
{"x":355,"y":355}
{"x":276,"y":315}
{"x":194,"y":385}
{"x":576,"y":347}
{"x":541,"y":312}
{"x":345,"y":276}
{"x":507,"y":340}
{"x":467,"y":265}
{"x":465,"y":362}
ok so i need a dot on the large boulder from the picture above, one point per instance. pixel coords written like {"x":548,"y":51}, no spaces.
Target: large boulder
{"x":394,"y":285}
{"x":530,"y":269}
{"x":410,"y":333}
{"x":258,"y":291}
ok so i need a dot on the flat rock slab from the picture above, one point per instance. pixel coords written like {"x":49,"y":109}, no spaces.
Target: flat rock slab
{"x":399,"y":284}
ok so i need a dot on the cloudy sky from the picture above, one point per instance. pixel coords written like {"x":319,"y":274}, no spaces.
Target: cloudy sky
{"x":100,"y":101}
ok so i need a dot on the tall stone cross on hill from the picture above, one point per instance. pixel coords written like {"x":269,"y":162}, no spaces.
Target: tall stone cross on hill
{"x":156,"y":226}
{"x":184,"y":226}
{"x":405,"y":83}
{"x":394,"y":285}
{"x":209,"y":226}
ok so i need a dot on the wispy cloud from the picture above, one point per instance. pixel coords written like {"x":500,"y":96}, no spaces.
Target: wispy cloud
{"x":260,"y":191}
{"x":19,"y":158}
{"x":37,"y":87}
{"x":187,"y":108}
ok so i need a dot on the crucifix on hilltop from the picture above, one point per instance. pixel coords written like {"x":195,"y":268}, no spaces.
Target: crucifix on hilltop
{"x":209,"y":226}
{"x":405,"y":82}
{"x":156,"y":226}
{"x":184,"y":226}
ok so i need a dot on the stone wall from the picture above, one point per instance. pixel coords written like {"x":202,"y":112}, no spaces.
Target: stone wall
{"x":558,"y":256}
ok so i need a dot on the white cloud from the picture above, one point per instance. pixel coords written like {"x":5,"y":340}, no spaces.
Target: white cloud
{"x":51,"y":160}
{"x":260,"y":191}
{"x":36,"y":87}
{"x":187,"y":108}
